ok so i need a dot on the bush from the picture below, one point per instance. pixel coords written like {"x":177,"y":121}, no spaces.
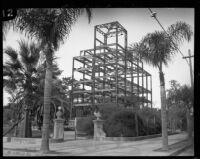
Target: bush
{"x":149,"y":113}
{"x":108,"y":109}
{"x":122,"y":123}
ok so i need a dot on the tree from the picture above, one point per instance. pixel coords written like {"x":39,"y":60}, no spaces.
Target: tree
{"x":59,"y":94}
{"x":187,"y":97}
{"x":157,"y":49}
{"x":176,"y":109}
{"x":180,"y":100}
{"x":50,"y":27}
{"x":19,"y":77}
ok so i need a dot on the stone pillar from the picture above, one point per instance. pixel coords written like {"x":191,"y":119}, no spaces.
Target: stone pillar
{"x":58,"y":127}
{"x":99,"y":134}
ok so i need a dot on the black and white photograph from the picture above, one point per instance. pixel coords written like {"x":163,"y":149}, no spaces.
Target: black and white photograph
{"x":98,"y":81}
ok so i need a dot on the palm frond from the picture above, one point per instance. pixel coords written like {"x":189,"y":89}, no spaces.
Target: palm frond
{"x":63,"y":23}
{"x":16,"y":66}
{"x":30,"y":54}
{"x":12,"y":54}
{"x":48,"y":25}
{"x":180,"y":31}
{"x":158,"y":47}
{"x":154,"y":48}
{"x":35,"y":53}
{"x":89,"y":14}
{"x":24,"y":52}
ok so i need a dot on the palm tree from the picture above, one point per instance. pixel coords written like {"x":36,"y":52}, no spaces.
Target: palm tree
{"x":58,"y":92}
{"x":157,"y":49}
{"x":50,"y":27}
{"x":19,"y":77}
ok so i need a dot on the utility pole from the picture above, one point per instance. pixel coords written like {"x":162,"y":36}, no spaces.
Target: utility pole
{"x":190,"y":65}
{"x":189,"y":115}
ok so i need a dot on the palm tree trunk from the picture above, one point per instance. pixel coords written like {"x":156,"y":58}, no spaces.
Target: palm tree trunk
{"x":163,"y":112}
{"x":47,"y":100}
{"x":25,"y":126}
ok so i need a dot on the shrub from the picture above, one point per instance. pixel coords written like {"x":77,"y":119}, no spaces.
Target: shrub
{"x":108,"y":109}
{"x":149,"y":113}
{"x":122,"y":123}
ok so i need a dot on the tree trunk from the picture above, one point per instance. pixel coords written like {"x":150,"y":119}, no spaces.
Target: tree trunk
{"x":163,"y":112}
{"x":154,"y":121}
{"x":175,"y":125}
{"x":47,"y":100}
{"x":189,"y":126}
{"x":136,"y":124}
{"x":15,"y":131}
{"x":147,"y":121}
{"x":26,"y":126}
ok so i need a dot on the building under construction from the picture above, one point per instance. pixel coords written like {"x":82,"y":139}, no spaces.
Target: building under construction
{"x":108,"y":73}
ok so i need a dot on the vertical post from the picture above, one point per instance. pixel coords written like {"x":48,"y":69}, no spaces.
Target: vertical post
{"x":138,"y":82}
{"x":189,"y":117}
{"x":142,"y":86}
{"x":190,"y":63}
{"x":93,"y":69}
{"x":83,"y":79}
{"x":72,"y":89}
{"x":125,"y":71}
{"x":138,"y":99}
{"x":116,"y":65}
{"x":147,"y":89}
{"x":104,"y":71}
{"x":132,"y":79}
{"x":151,"y":89}
{"x":190,"y":125}
{"x":154,"y":121}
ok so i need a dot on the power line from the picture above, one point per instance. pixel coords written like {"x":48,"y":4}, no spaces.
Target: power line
{"x":153,"y":14}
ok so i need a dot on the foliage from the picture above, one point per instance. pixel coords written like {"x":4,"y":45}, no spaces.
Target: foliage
{"x":19,"y":77}
{"x":114,"y":126}
{"x":159,"y":47}
{"x":107,"y":109}
{"x":19,"y":72}
{"x":8,"y":115}
{"x":122,"y":123}
{"x":179,"y":99}
{"x":152,"y":119}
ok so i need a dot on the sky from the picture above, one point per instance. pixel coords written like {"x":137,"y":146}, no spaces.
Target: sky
{"x":138,"y":22}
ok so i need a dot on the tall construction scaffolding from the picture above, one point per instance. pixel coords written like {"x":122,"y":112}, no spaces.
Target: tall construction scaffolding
{"x":108,"y":73}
